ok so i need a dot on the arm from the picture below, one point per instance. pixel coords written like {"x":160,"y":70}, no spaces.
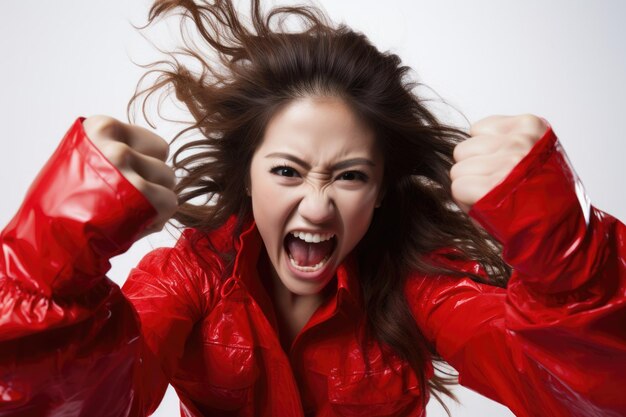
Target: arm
{"x":69,"y":340}
{"x":170,"y":293}
{"x":552,"y":343}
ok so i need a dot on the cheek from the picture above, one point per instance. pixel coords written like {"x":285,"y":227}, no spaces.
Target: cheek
{"x":271,"y":206}
{"x":357,"y":212}
{"x":264,"y":206}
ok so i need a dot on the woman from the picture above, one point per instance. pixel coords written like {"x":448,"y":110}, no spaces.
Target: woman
{"x":331,"y":264}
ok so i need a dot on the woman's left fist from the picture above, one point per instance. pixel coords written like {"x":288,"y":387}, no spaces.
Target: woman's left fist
{"x":496,"y":145}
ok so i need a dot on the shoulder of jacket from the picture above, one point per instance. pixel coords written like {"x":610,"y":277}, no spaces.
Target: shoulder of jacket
{"x":193,"y":265}
{"x":449,"y":258}
{"x":208,"y":242}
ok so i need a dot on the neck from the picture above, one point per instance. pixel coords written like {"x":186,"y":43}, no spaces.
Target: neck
{"x":293,"y":311}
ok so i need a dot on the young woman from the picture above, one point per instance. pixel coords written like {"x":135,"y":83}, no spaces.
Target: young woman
{"x":348,"y":240}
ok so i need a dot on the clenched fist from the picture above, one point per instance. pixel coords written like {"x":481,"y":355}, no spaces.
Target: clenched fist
{"x":140,"y":156}
{"x":496,"y":145}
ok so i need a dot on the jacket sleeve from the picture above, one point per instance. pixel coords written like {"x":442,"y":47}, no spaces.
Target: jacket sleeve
{"x":170,"y":293}
{"x":70,"y":342}
{"x":554,"y":342}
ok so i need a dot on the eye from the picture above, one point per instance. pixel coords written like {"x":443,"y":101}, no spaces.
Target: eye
{"x":352,"y":176}
{"x":284,"y":171}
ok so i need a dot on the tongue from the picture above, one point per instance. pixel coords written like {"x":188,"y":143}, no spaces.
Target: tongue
{"x":307,"y":254}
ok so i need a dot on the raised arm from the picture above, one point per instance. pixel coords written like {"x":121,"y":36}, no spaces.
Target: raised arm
{"x":70,"y":342}
{"x":554,"y":342}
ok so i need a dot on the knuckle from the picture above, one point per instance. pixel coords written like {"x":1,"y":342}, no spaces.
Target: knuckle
{"x":458,"y":152}
{"x":486,"y":124}
{"x":163,"y":148}
{"x":170,"y":178}
{"x":117,"y":153}
{"x":150,"y":143}
{"x":520,"y":143}
{"x":529,"y":118}
{"x":530,"y":123}
{"x":102,"y":126}
{"x":454,"y":188}
{"x":454,"y":172}
{"x":457,"y":188}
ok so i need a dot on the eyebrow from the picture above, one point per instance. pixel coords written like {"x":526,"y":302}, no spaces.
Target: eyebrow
{"x":339,"y":165}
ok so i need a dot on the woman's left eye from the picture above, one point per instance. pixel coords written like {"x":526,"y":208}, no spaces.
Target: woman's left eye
{"x":284,"y":171}
{"x":352,"y":176}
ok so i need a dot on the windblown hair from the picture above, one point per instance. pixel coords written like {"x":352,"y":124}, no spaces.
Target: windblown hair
{"x":262,"y":68}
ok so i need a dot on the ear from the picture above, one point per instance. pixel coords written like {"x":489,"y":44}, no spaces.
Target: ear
{"x":247,"y":186}
{"x":381,"y":196}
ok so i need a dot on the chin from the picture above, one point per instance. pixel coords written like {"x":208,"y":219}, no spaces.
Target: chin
{"x":307,"y":287}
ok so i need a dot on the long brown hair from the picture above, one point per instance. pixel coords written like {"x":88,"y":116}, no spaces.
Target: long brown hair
{"x":261,"y":68}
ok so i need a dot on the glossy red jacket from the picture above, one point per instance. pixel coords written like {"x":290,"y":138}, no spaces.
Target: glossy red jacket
{"x":72,"y":344}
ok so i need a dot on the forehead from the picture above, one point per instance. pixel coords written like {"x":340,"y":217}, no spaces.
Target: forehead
{"x":320,"y":128}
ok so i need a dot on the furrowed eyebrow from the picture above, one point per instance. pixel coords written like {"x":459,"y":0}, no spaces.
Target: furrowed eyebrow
{"x":290,"y":158}
{"x":351,"y":162}
{"x":339,"y":165}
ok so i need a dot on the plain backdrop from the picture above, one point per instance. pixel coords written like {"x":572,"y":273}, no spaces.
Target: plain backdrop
{"x":564,"y":60}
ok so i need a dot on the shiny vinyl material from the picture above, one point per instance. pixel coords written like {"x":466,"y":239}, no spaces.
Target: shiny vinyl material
{"x":73,"y":344}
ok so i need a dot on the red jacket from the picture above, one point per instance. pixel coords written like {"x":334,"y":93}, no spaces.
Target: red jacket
{"x":72,"y":344}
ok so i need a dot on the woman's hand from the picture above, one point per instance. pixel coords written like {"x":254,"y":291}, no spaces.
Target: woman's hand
{"x":140,"y":156}
{"x":496,"y":145}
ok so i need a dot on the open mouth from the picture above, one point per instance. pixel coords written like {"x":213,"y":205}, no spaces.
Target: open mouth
{"x":309,"y":252}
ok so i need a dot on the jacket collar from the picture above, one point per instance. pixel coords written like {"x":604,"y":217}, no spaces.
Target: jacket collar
{"x":250,"y":246}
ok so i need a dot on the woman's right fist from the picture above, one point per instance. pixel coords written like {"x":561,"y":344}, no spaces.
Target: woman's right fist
{"x":140,"y":156}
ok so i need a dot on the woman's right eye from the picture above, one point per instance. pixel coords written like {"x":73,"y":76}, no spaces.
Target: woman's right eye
{"x":284,"y":171}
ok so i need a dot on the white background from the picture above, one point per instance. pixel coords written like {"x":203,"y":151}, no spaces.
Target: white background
{"x":564,"y":60}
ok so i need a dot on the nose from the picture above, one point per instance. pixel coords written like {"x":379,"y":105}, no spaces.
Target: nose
{"x":317,"y":208}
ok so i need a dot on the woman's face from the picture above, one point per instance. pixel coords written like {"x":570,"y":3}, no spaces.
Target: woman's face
{"x":315,"y":181}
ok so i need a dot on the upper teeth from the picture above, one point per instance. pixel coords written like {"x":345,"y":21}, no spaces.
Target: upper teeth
{"x":313,"y":237}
